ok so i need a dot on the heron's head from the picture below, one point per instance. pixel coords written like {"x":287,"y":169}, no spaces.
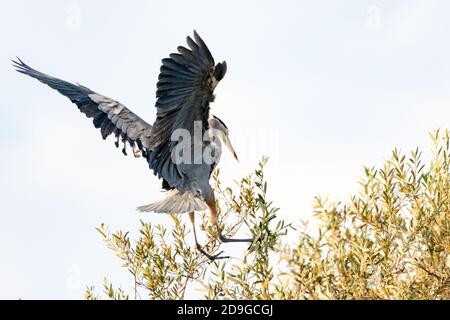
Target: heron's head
{"x":220,"y":70}
{"x":222,"y":133}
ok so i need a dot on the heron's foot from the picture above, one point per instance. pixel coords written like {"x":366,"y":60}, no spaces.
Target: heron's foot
{"x":224,"y":239}
{"x":211,"y":257}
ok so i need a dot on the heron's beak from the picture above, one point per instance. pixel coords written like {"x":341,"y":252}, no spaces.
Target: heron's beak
{"x":226,"y":141}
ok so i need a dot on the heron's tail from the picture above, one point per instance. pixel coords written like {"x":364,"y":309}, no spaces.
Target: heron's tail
{"x":175,"y":202}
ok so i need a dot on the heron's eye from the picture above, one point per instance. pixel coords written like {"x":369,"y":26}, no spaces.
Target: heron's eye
{"x":198,"y":193}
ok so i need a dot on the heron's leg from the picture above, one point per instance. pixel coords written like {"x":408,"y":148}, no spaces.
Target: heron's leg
{"x":213,"y":209}
{"x":198,"y":246}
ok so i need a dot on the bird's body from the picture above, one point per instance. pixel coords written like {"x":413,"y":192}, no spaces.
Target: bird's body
{"x":184,"y":92}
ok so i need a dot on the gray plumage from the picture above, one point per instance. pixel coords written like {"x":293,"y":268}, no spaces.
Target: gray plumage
{"x":110,"y":116}
{"x":184,"y":91}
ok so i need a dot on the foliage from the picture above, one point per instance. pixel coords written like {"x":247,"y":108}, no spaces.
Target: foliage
{"x":390,"y":241}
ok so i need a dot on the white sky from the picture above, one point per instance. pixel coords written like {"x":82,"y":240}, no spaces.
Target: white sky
{"x":323,"y":87}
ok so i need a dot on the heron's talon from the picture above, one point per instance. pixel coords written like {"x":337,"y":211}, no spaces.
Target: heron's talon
{"x":212,"y":257}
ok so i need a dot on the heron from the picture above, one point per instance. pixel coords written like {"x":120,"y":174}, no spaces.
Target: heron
{"x":185,"y":89}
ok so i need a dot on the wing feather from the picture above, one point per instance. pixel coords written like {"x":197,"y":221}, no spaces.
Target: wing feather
{"x":110,"y":116}
{"x":184,"y":91}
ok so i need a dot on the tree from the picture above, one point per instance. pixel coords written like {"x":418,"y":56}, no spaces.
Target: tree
{"x":390,"y":241}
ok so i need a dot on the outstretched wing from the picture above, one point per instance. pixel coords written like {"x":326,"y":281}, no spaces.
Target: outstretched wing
{"x":110,"y":116}
{"x":184,"y":90}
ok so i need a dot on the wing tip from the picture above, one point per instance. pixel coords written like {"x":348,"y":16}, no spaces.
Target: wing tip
{"x":196,"y":34}
{"x":21,"y":66}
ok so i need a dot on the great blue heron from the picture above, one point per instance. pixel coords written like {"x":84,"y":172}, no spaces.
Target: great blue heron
{"x":184,"y":91}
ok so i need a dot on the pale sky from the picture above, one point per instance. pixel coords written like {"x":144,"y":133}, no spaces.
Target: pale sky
{"x":322,"y":87}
